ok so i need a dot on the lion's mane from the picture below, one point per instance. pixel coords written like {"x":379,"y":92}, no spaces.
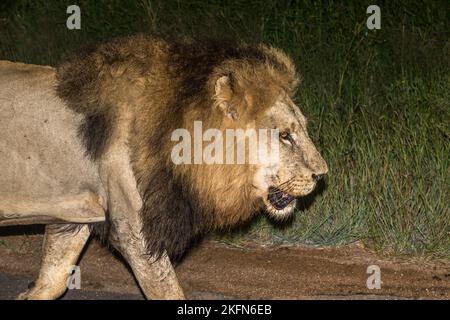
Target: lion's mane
{"x":164,"y":85}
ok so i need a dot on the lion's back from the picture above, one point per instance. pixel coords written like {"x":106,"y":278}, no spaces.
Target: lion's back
{"x":40,"y":151}
{"x":9,"y":69}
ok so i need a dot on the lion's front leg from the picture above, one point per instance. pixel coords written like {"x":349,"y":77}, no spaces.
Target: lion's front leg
{"x":156,"y":276}
{"x":62,"y":246}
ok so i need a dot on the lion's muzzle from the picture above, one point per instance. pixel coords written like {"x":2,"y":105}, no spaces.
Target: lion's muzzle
{"x":279,"y":199}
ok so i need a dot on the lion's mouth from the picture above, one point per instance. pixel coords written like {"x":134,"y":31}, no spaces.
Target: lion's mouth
{"x":279,"y":199}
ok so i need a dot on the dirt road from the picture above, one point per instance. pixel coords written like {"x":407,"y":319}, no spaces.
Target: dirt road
{"x":214,"y":271}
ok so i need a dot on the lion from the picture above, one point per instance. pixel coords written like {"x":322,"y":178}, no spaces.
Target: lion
{"x":86,"y":149}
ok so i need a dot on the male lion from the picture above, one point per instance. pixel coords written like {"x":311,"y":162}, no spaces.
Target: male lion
{"x":87,"y":148}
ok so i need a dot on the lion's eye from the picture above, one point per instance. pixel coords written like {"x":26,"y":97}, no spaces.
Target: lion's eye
{"x":286,"y":136}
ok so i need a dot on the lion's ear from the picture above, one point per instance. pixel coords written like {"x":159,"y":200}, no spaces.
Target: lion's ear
{"x":223,"y":94}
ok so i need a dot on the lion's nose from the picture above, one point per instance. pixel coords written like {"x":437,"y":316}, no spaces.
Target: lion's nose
{"x":317,"y":177}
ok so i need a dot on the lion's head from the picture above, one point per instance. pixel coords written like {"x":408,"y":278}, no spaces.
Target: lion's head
{"x":256,"y":94}
{"x":300,"y":165}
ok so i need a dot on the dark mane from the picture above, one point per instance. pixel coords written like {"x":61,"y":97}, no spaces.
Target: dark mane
{"x":195,"y":61}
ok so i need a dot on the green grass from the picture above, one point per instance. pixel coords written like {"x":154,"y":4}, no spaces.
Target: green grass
{"x":378,"y":101}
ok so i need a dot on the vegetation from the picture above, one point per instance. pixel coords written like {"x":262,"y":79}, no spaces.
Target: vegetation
{"x":378,"y":100}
